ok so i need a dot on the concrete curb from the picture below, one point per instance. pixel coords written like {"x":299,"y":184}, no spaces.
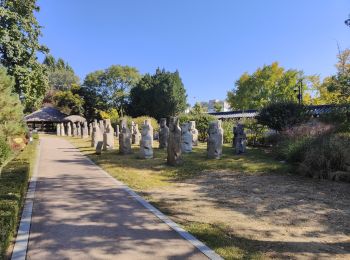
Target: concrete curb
{"x":21,"y":245}
{"x":183,"y":233}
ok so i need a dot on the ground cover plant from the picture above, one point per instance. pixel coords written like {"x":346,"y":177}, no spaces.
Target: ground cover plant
{"x":13,"y":186}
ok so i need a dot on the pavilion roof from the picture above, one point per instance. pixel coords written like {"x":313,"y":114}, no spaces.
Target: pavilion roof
{"x":46,"y":114}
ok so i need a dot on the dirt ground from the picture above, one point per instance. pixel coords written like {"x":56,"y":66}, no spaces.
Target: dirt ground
{"x":285,"y":217}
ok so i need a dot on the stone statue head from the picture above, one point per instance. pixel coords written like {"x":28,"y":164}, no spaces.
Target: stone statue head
{"x":192,"y":125}
{"x":162,"y":122}
{"x":173,"y":123}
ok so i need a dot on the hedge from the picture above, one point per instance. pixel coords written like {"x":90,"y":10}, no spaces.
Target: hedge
{"x":13,"y":185}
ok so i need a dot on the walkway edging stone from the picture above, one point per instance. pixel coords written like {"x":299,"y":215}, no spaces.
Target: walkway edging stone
{"x":21,"y":245}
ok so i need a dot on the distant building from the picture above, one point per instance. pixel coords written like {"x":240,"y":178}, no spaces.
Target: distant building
{"x":224,"y":106}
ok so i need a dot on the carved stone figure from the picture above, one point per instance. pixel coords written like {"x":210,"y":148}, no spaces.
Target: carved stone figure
{"x":78,"y":133}
{"x":69,"y":129}
{"x":62,"y":130}
{"x":102,"y":126}
{"x":146,"y":149}
{"x":174,"y":142}
{"x":215,"y":140}
{"x":125,"y":139}
{"x":108,"y":136}
{"x":240,"y":139}
{"x":84,"y":130}
{"x":90,"y":129}
{"x":136,"y":135}
{"x":96,"y":134}
{"x":194,"y":132}
{"x":99,"y":147}
{"x":74,"y":129}
{"x":186,"y":138}
{"x":58,"y":129}
{"x":163,"y":134}
{"x":117,"y":132}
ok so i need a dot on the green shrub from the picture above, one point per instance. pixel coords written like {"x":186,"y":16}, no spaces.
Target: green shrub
{"x":13,"y":185}
{"x":280,"y":116}
{"x":293,"y":150}
{"x":141,"y":119}
{"x":227,"y":126}
{"x":5,"y":151}
{"x":202,"y":123}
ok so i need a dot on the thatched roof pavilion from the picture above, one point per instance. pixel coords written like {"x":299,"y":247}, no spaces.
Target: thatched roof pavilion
{"x":45,"y":119}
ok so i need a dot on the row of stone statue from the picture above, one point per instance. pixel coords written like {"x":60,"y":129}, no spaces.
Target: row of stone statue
{"x":175,"y":139}
{"x":73,"y":129}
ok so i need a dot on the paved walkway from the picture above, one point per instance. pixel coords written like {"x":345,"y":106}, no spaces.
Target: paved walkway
{"x":79,"y":213}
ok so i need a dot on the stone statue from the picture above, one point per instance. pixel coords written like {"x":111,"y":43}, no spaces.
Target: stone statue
{"x":78,"y":134}
{"x":69,"y":129}
{"x":102,"y":126}
{"x":58,"y":129}
{"x":174,"y":142}
{"x":186,"y":138}
{"x":99,"y":147}
{"x":215,"y":140}
{"x":62,"y":130}
{"x":194,"y":132}
{"x":108,"y":136}
{"x":125,"y":139}
{"x":136,"y":135}
{"x":117,"y":132}
{"x":239,"y":139}
{"x":163,"y":134}
{"x":96,"y":134}
{"x":84,"y":130}
{"x":74,"y":131}
{"x":146,"y":149}
{"x":90,"y":129}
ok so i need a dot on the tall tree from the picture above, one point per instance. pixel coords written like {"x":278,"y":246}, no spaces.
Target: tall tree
{"x":160,"y":95}
{"x":109,"y":88}
{"x":11,"y":112}
{"x":19,"y":46}
{"x":269,"y":84}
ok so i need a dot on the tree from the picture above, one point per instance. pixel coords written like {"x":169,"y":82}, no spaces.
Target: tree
{"x":269,"y":84}
{"x":218,"y":107}
{"x":280,"y":116}
{"x":69,"y":101}
{"x":339,"y":84}
{"x":106,"y":89}
{"x":11,"y":112}
{"x":159,"y":95}
{"x":19,"y":46}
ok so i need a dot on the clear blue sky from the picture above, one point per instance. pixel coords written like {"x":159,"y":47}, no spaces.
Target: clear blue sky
{"x":211,"y":43}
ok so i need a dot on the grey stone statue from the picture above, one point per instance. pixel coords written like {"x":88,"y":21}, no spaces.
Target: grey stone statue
{"x":163,"y":134}
{"x":99,"y":146}
{"x":96,"y":134}
{"x":240,"y":139}
{"x":84,"y":130}
{"x":108,"y":136}
{"x":117,"y":132}
{"x":74,"y":129}
{"x":69,"y":129}
{"x":194,"y":132}
{"x":90,"y":129}
{"x":102,"y":126}
{"x":215,"y":140}
{"x":125,"y":139}
{"x":62,"y":130}
{"x":174,"y":143}
{"x":58,"y":129}
{"x":186,"y":138}
{"x":136,"y":135}
{"x":146,"y":149}
{"x":78,"y":134}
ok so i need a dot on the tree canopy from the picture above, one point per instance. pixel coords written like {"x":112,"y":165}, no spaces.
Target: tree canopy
{"x":107,"y":89}
{"x":160,"y":95}
{"x":269,"y":84}
{"x":19,"y":46}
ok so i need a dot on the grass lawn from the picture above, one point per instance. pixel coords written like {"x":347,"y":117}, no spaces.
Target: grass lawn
{"x":153,"y":174}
